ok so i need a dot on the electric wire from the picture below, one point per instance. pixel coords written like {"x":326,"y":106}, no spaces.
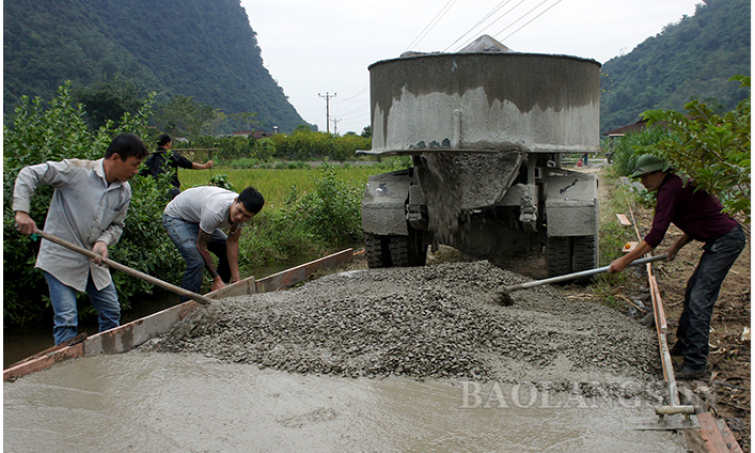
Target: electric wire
{"x":530,"y":21}
{"x":432,"y":24}
{"x":546,"y":10}
{"x":487,"y":16}
{"x":522,"y":17}
{"x":490,"y":24}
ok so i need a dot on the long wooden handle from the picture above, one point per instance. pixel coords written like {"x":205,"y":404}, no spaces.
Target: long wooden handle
{"x":133,"y":272}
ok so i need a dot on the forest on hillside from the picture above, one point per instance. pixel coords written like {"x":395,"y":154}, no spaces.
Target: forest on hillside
{"x":208,"y":52}
{"x":692,"y":59}
{"x":192,"y":48}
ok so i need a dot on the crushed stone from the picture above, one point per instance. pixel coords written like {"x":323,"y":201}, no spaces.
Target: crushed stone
{"x":438,"y":321}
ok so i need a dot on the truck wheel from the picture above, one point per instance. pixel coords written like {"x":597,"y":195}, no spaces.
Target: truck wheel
{"x":585,"y":252}
{"x":558,"y":256}
{"x":378,"y":250}
{"x":407,"y":251}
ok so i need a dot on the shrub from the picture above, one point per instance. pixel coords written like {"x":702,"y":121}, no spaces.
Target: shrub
{"x":332,"y":212}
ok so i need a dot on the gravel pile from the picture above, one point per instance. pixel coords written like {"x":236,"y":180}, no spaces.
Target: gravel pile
{"x":436,"y":321}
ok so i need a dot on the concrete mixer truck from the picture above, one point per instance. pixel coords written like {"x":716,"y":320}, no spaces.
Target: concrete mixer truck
{"x":486,"y":129}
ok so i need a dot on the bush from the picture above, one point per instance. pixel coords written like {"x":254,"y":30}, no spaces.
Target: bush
{"x":332,"y":213}
{"x":628,"y":148}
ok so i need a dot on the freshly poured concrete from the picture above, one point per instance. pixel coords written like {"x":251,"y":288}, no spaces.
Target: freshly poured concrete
{"x":161,"y":402}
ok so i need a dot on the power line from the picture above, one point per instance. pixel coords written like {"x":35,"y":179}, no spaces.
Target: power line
{"x":546,"y":10}
{"x":522,"y":17}
{"x":491,"y":24}
{"x":432,"y":24}
{"x":358,"y":93}
{"x":487,"y":16}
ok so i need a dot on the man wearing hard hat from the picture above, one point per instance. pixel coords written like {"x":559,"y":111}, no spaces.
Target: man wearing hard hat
{"x":698,"y":214}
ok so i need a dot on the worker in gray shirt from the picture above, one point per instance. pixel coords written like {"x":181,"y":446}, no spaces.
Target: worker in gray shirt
{"x":194,"y":221}
{"x":88,"y":208}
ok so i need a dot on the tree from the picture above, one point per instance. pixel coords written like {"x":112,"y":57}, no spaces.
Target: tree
{"x":183,"y":116}
{"x":711,"y":148}
{"x":108,"y":101}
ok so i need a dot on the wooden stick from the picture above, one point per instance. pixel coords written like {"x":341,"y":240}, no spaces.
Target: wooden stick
{"x":133,"y":272}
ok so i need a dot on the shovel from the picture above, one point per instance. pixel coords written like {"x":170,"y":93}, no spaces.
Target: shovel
{"x":504,"y":293}
{"x":132,"y":272}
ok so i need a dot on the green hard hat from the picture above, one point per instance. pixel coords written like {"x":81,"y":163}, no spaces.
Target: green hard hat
{"x":648,"y":164}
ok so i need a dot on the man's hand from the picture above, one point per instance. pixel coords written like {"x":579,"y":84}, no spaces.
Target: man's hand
{"x":671,"y":253}
{"x":100,"y":248}
{"x":618,"y":265}
{"x":24,"y":223}
{"x":217,"y":283}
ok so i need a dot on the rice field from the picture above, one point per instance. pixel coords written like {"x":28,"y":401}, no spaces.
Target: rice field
{"x":276,"y":185}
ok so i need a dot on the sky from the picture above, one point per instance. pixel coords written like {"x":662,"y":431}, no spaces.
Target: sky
{"x":318,"y":50}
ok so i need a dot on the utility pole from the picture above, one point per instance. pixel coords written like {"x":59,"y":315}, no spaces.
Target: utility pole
{"x":327,"y":97}
{"x":335,"y":125}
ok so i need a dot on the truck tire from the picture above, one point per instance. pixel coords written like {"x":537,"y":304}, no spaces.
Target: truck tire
{"x":585,"y":252}
{"x":408,"y":251}
{"x":558,"y":255}
{"x":378,"y":250}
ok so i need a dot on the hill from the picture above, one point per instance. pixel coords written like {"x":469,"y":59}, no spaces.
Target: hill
{"x":694,"y":57}
{"x":203,"y":49}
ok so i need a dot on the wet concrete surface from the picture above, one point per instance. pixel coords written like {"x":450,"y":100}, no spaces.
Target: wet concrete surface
{"x":413,"y":359}
{"x":160,"y":402}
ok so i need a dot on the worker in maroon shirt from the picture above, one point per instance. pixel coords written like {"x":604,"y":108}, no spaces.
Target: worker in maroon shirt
{"x":698,"y":214}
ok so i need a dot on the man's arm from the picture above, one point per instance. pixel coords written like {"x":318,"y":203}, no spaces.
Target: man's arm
{"x":676,"y":246}
{"x":204,"y":166}
{"x":203,"y":241}
{"x":620,"y":264}
{"x":27,"y":181}
{"x":232,"y":252}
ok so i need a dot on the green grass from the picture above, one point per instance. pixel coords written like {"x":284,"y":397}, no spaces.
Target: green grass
{"x":276,"y":185}
{"x":613,"y":237}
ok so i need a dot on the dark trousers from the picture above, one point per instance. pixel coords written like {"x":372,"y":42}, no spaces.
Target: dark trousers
{"x":702,"y":292}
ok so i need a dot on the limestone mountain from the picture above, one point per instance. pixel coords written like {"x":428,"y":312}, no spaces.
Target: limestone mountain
{"x":692,"y":58}
{"x":198,"y":48}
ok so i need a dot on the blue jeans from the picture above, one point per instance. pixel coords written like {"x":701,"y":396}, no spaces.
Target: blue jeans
{"x":184,"y":235}
{"x":702,"y":292}
{"x":66,"y":321}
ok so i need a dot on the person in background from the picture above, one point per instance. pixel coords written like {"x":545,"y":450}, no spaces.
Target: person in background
{"x":88,"y":209}
{"x":698,"y":214}
{"x":194,"y":221}
{"x":162,"y":161}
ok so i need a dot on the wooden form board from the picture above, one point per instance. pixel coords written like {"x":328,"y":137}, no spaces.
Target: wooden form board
{"x":712,"y":437}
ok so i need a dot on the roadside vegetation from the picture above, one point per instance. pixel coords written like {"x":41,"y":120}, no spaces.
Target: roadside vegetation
{"x":312,"y":202}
